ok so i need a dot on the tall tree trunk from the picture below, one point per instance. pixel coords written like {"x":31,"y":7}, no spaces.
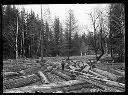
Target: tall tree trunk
{"x":69,"y":52}
{"x":41,"y":38}
{"x":96,"y":54}
{"x":29,"y":50}
{"x":16,"y":41}
{"x":23,"y":50}
{"x":101,"y":46}
{"x":111,"y":51}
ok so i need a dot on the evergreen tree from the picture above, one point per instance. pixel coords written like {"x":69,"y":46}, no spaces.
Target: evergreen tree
{"x":71,"y":27}
{"x":116,"y":34}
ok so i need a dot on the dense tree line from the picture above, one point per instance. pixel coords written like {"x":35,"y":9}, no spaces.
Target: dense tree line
{"x":59,"y":40}
{"x":55,"y":38}
{"x":117,"y":30}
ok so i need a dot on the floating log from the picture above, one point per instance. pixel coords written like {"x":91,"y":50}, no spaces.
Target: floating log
{"x":20,"y":82}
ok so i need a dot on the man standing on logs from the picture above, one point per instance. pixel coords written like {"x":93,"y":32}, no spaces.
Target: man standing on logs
{"x":62,"y":64}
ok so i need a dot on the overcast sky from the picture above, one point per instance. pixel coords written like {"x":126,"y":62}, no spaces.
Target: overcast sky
{"x":60,"y":10}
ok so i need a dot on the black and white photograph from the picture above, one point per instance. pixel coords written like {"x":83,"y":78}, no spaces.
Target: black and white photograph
{"x":63,"y":48}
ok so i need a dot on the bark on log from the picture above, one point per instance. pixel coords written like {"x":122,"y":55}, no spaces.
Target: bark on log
{"x":33,"y":70}
{"x":66,"y":77}
{"x":10,"y":74}
{"x":96,"y":74}
{"x":20,"y":82}
{"x":67,"y":73}
{"x":104,"y":79}
{"x":122,"y":73}
{"x":99,"y":84}
{"x":43,"y":77}
{"x":30,"y":71}
{"x":16,"y":68}
{"x":52,"y":87}
{"x":107,"y":74}
{"x":116,"y":72}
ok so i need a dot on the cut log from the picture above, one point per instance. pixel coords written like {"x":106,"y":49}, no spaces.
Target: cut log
{"x":116,"y":72}
{"x":122,"y":73}
{"x":67,"y":73}
{"x":99,"y":84}
{"x":16,"y":68}
{"x":109,"y":82}
{"x":10,"y":74}
{"x":29,"y":71}
{"x":121,"y":80}
{"x":20,"y":82}
{"x":96,"y":74}
{"x":43,"y":77}
{"x":52,"y":87}
{"x":103,"y":79}
{"x":47,"y":68}
{"x":86,"y":68}
{"x":107,"y":74}
{"x":60,"y":74}
{"x":115,"y":83}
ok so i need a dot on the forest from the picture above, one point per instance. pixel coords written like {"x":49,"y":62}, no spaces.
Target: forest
{"x":107,"y":37}
{"x":44,"y":55}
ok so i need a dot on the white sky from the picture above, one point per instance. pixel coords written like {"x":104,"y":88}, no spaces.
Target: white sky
{"x":60,"y":10}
